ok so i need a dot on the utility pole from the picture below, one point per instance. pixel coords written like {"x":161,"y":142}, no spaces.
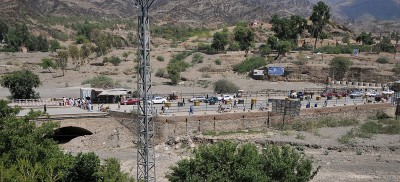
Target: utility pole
{"x":146,"y":164}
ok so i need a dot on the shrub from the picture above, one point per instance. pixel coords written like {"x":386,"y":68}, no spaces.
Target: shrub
{"x":197,"y":58}
{"x":228,"y":161}
{"x":382,"y":115}
{"x":301,"y":59}
{"x":101,"y":81}
{"x":160,"y":58}
{"x":396,"y":69}
{"x":339,"y":66}
{"x":161,"y":72}
{"x":106,"y":60}
{"x":249,"y":64}
{"x":383,"y":60}
{"x":225,"y":86}
{"x":115,"y":60}
{"x":218,"y":62}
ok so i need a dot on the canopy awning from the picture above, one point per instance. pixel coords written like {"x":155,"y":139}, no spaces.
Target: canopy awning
{"x":113,"y":92}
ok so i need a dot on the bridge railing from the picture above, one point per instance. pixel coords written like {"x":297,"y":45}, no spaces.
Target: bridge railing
{"x":34,"y":102}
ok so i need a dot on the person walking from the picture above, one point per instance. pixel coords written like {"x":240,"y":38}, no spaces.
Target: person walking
{"x":191,"y":110}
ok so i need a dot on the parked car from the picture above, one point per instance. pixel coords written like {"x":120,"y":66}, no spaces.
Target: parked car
{"x":130,"y":101}
{"x":158,"y":100}
{"x":225,"y":97}
{"x":387,"y":92}
{"x":372,"y":93}
{"x":197,"y":98}
{"x":211,"y":99}
{"x":356,"y":94}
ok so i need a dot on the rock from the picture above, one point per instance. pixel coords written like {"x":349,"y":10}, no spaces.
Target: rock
{"x":192,"y":145}
{"x":166,"y":148}
{"x":177,"y":139}
{"x":177,"y":147}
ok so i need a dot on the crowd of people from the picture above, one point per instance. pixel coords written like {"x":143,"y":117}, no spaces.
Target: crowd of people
{"x":82,"y":103}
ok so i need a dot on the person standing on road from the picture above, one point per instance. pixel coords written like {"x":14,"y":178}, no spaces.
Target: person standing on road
{"x":234,"y":104}
{"x":191,"y":111}
{"x":183,"y":100}
{"x":326,"y":103}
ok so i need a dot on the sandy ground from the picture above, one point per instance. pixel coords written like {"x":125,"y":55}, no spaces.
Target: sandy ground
{"x":376,"y":162}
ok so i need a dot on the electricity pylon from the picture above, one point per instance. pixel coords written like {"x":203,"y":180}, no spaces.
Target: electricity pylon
{"x":146,"y":164}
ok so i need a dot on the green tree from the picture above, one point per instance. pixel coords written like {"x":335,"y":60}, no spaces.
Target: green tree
{"x":220,"y":40}
{"x":339,"y":66}
{"x":115,"y":60}
{"x":346,"y":38}
{"x":284,"y":47}
{"x":48,"y":63}
{"x":396,"y":37}
{"x":174,"y":73}
{"x":101,"y":81}
{"x":54,"y":45}
{"x":21,"y":84}
{"x":62,"y":60}
{"x":264,"y":50}
{"x":272,"y":41}
{"x":288,"y":28}
{"x":86,"y":51}
{"x":74,"y":53}
{"x":319,"y":17}
{"x":225,"y":86}
{"x":228,"y":161}
{"x":28,"y":153}
{"x":32,"y":44}
{"x":365,"y":38}
{"x":234,"y":46}
{"x":43,"y":44}
{"x":85,"y":168}
{"x":385,"y":45}
{"x":3,"y":30}
{"x":111,"y":172}
{"x":245,"y":37}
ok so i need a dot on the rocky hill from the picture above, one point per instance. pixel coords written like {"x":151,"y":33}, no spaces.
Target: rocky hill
{"x":205,"y":12}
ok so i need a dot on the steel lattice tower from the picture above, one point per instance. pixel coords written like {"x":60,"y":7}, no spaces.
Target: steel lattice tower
{"x":146,"y":165}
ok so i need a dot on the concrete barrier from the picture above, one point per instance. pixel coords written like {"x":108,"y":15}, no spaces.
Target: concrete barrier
{"x":349,"y":83}
{"x":378,"y":85}
{"x":344,"y":82}
{"x":372,"y":84}
{"x":355,"y":83}
{"x":337,"y":82}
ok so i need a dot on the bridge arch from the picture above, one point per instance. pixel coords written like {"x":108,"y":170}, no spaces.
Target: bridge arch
{"x":67,"y":133}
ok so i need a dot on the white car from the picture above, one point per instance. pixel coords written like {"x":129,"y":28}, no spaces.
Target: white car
{"x":158,"y":100}
{"x":372,"y":93}
{"x":225,"y":97}
{"x":387,"y":92}
{"x":197,"y":98}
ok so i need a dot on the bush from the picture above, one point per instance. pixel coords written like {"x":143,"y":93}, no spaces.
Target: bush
{"x":197,"y":58}
{"x":301,"y":59}
{"x":228,"y":161}
{"x":106,"y":60}
{"x":218,"y":62}
{"x":101,"y":81}
{"x":225,"y":86}
{"x":383,"y":60}
{"x":382,"y":115}
{"x":161,"y":73}
{"x":339,"y":67}
{"x":249,"y":64}
{"x":160,"y":58}
{"x":343,"y":49}
{"x":396,"y":69}
{"x":115,"y":60}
